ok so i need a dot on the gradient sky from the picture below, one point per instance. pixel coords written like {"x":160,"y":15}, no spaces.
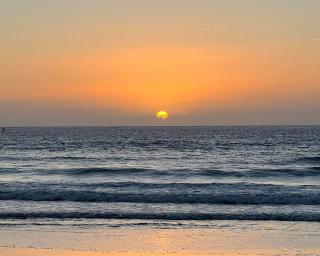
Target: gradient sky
{"x":207,"y":62}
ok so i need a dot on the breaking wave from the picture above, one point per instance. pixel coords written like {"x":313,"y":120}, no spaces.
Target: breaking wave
{"x":311,"y":217}
{"x":177,"y":193}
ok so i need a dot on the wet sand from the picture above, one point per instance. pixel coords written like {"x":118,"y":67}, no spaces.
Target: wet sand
{"x":53,"y":252}
{"x":221,"y":238}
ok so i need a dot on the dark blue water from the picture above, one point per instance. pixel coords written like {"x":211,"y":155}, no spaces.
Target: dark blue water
{"x":160,"y":173}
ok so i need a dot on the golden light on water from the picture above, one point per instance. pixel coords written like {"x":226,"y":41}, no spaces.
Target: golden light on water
{"x":162,"y":115}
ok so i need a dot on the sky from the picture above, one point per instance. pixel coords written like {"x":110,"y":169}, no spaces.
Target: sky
{"x":205,"y":62}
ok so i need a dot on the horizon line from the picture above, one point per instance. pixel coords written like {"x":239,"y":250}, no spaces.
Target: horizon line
{"x":119,"y":126}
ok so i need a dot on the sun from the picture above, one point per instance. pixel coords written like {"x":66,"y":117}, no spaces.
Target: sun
{"x":162,"y":115}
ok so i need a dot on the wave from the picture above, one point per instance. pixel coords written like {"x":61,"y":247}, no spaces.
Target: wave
{"x":109,"y":171}
{"x":311,"y":217}
{"x":71,"y":158}
{"x":176,"y":193}
{"x":309,"y":159}
{"x":115,"y":171}
{"x":263,"y":172}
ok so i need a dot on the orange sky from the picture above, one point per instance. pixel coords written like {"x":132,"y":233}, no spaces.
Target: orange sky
{"x":206,"y":62}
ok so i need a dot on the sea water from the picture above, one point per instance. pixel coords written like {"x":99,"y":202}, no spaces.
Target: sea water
{"x":159,"y":175}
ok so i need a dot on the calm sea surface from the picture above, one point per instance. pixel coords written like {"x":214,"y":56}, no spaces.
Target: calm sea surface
{"x":74,"y":176}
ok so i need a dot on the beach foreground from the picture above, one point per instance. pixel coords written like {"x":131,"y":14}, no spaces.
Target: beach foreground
{"x":41,"y":252}
{"x":218,"y":238}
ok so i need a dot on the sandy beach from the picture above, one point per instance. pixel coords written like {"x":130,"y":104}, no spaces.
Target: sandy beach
{"x":222,"y":238}
{"x":51,"y":252}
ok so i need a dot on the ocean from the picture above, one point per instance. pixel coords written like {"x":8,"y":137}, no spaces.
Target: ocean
{"x":159,"y":176}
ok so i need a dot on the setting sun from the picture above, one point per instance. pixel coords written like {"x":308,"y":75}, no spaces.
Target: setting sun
{"x":162,"y":115}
